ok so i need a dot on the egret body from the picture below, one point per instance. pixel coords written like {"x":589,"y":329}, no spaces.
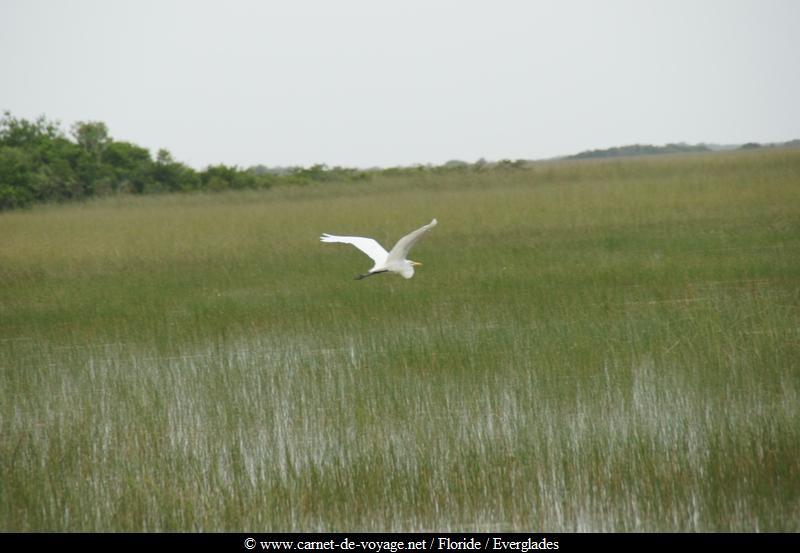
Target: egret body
{"x":393,"y":261}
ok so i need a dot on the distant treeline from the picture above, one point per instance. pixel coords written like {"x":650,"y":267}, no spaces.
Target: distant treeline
{"x":680,"y":148}
{"x":641,"y":150}
{"x":40,"y":163}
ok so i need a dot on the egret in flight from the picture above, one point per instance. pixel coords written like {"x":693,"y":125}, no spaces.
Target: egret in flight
{"x":393,"y":261}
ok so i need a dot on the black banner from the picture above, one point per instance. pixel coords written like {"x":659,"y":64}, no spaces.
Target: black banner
{"x":393,"y":543}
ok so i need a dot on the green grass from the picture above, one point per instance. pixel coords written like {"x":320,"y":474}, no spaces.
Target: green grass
{"x":604,"y":346}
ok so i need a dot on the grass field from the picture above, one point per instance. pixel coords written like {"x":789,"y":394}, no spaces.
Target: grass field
{"x":589,"y":346}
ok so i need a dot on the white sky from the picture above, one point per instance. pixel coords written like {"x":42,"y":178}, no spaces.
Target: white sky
{"x":372,"y":82}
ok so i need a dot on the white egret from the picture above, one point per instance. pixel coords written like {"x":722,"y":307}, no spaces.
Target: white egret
{"x":393,"y":261}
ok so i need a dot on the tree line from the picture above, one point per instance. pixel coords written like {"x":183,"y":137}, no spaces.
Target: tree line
{"x":641,"y":150}
{"x":39,"y":162}
{"x":679,"y":148}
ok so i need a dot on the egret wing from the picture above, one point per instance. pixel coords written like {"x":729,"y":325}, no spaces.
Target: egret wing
{"x":367,"y":245}
{"x":400,"y":250}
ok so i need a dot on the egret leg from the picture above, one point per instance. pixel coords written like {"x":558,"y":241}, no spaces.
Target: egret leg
{"x":359,"y":277}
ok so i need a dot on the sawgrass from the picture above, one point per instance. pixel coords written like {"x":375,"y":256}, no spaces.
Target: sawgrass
{"x":589,"y":346}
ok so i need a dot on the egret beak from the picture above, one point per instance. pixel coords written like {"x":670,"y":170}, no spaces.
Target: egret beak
{"x":415,"y":263}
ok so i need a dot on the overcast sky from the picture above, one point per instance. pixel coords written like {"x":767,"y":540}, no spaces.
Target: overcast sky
{"x":380,"y":83}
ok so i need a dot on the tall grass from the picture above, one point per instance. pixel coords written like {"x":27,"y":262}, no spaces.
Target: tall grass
{"x":609,"y":346}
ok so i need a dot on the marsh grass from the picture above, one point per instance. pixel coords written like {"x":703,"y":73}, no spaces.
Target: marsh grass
{"x":607,"y":346}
